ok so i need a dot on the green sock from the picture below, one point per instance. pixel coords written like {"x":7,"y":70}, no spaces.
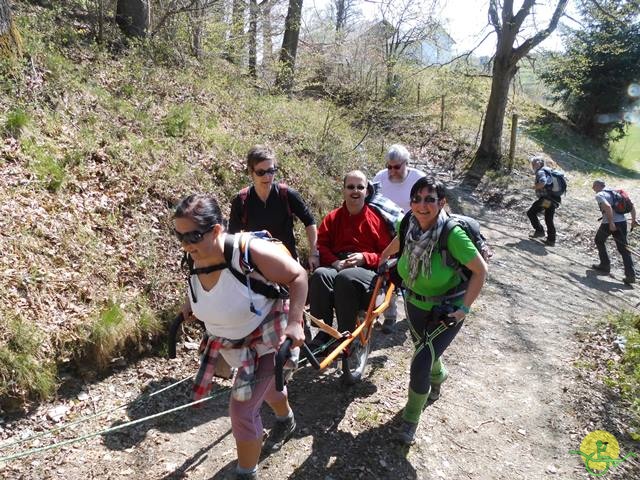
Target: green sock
{"x":438,"y":372}
{"x":413,"y":408}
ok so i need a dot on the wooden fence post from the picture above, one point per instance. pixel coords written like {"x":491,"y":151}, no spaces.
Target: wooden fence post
{"x":418,"y":101}
{"x":442,"y":113}
{"x":512,"y":144}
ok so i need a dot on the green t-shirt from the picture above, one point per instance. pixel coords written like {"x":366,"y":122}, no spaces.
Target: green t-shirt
{"x":443,"y":278}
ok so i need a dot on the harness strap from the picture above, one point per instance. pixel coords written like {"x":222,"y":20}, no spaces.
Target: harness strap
{"x":457,"y":292}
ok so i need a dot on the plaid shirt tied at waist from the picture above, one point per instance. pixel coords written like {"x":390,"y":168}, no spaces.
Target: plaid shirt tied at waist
{"x":270,"y":333}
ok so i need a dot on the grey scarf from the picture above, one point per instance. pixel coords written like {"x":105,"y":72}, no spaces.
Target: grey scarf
{"x":419,"y":245}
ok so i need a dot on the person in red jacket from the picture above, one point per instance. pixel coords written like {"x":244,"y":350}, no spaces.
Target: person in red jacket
{"x":350,"y":240}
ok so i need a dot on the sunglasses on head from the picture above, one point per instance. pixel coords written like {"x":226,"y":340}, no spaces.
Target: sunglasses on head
{"x":268,"y":171}
{"x":192,"y":237}
{"x":354,"y":187}
{"x":425,"y":199}
{"x":394,"y":167}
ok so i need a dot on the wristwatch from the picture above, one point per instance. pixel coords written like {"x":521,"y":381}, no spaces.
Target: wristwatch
{"x":465,"y":309}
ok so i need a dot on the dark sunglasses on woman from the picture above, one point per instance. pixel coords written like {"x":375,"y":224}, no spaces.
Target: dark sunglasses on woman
{"x":353,"y":187}
{"x":192,"y":237}
{"x":269,"y":171}
{"x":425,"y":199}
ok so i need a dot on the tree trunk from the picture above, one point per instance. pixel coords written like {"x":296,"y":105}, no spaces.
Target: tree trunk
{"x":340,"y":15}
{"x":235,"y":44}
{"x":267,"y":33}
{"x":286,"y":72}
{"x":133,"y":17}
{"x":198,"y":18}
{"x":10,"y":40}
{"x":253,"y":37}
{"x":490,"y":149}
{"x":507,"y":26}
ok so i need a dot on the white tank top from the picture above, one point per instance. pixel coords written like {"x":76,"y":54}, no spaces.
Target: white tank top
{"x":225,"y":308}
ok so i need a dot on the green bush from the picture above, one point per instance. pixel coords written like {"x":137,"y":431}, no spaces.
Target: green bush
{"x":22,"y":369}
{"x":627,"y":371}
{"x":17,"y":119}
{"x":177,"y":121}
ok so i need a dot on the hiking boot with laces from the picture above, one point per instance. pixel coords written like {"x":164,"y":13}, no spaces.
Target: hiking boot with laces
{"x":280,"y":433}
{"x":389,"y":325}
{"x":537,"y":234}
{"x":600,"y":268}
{"x":407,"y":433}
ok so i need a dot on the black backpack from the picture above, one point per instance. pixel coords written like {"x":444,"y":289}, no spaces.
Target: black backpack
{"x":470,"y":226}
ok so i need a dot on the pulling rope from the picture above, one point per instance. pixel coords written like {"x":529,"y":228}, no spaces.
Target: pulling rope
{"x":33,"y":451}
{"x":90,"y":417}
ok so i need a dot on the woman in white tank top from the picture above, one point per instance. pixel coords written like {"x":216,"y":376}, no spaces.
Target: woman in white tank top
{"x":243,"y":326}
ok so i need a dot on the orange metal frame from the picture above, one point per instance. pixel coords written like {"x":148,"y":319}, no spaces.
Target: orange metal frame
{"x":363,"y":329}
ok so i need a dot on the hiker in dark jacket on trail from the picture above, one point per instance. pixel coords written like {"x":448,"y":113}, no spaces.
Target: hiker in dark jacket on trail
{"x":546,"y":202}
{"x":264,"y":206}
{"x":614,"y":224}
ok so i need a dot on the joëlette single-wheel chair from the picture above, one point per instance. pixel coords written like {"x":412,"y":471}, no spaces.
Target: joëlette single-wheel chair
{"x":353,"y":347}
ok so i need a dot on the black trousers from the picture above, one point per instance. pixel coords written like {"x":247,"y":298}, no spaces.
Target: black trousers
{"x":346,"y":292}
{"x":549,"y":212}
{"x":620,"y":236}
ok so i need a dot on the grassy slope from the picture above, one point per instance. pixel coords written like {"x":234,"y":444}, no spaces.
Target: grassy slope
{"x":107,"y":146}
{"x":627,"y":150}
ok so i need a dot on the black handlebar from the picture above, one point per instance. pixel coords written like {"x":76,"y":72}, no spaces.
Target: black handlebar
{"x":173,"y":335}
{"x":284,"y":352}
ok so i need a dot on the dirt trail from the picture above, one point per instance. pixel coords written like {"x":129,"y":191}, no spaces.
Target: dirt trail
{"x":512,"y":409}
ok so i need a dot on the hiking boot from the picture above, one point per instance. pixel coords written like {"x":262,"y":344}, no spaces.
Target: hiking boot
{"x":537,"y":234}
{"x":550,"y":243}
{"x":599,"y":268}
{"x":280,"y":433}
{"x":246,"y":476}
{"x":407,"y":433}
{"x":389,"y":325}
{"x":434,"y":394}
{"x":629,"y":280}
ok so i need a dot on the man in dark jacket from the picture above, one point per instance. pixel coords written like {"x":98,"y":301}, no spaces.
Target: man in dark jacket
{"x":546,"y":202}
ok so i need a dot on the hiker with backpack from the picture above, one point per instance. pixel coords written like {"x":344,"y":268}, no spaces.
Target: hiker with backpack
{"x":350,"y":240}
{"x":395,"y":182}
{"x":614,"y":204}
{"x":269,"y":205}
{"x":443,"y":271}
{"x":549,"y":186}
{"x":244,"y":323}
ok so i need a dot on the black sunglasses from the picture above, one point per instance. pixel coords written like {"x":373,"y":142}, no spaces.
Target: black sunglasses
{"x":425,"y":199}
{"x":394,"y":167}
{"x":268,"y":171}
{"x":192,"y":237}
{"x":353,"y":187}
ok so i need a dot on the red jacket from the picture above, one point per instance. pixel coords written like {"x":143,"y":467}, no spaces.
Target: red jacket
{"x":341,"y":232}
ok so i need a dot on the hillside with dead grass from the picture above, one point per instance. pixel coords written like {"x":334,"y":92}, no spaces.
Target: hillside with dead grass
{"x":96,"y":147}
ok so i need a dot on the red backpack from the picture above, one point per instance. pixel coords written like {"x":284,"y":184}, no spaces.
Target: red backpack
{"x":621,"y":202}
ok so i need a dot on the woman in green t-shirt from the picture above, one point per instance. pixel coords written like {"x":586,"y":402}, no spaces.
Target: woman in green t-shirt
{"x":437,"y":298}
